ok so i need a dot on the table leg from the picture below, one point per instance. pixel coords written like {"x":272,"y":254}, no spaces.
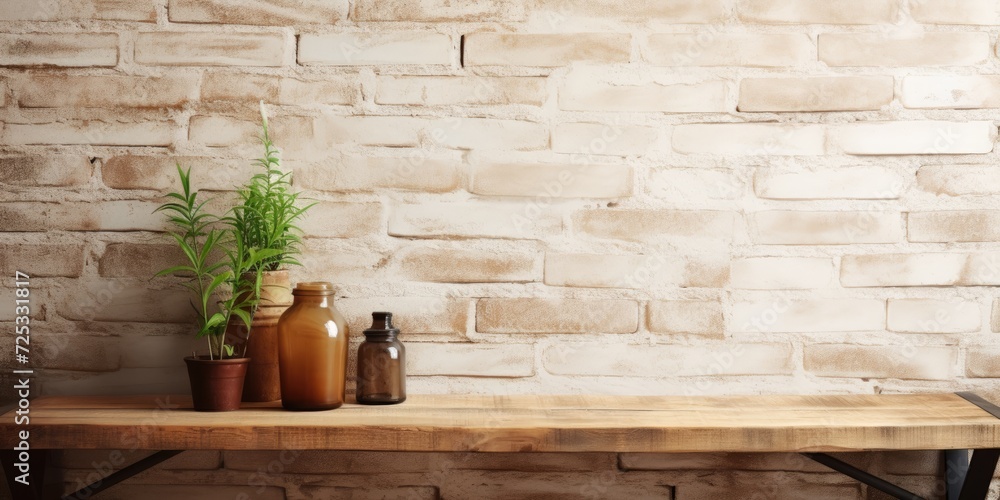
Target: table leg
{"x":956,"y":467}
{"x":862,"y":476}
{"x":121,"y":475}
{"x":976,"y":484}
{"x":25,"y":480}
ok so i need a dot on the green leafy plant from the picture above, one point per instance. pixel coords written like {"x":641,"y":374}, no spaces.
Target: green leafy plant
{"x":228,"y":256}
{"x":218,"y":265}
{"x":267,"y":214}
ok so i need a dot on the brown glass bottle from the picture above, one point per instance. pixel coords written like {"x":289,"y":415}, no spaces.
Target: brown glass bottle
{"x":312,"y":350}
{"x":381,"y":364}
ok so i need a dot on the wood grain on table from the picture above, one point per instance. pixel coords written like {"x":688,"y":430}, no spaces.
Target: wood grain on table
{"x":523,"y":423}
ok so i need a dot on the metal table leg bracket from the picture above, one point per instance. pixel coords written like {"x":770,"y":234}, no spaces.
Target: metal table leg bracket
{"x":121,"y":475}
{"x":856,"y":473}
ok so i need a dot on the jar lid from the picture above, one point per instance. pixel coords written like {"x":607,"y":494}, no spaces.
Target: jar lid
{"x":313,"y":288}
{"x":382,"y":324}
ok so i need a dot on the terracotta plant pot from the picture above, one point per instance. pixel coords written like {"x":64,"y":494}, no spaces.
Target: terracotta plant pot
{"x":262,"y":382}
{"x":216,"y":385}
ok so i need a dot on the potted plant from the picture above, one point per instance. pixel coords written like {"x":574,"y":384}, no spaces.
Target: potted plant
{"x":265,"y":218}
{"x":219,"y":272}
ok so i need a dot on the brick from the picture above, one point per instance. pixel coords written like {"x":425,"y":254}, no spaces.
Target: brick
{"x":545,"y":50}
{"x":132,"y":380}
{"x":72,"y":10}
{"x":784,"y":315}
{"x":535,"y":315}
{"x":374,"y":462}
{"x":81,"y":353}
{"x":42,"y":260}
{"x":488,"y":133}
{"x":444,"y":265}
{"x":64,"y":91}
{"x":81,"y":216}
{"x":948,"y":226}
{"x":369,"y":493}
{"x":700,"y":317}
{"x":368,"y":49}
{"x":545,"y":486}
{"x":299,"y":136}
{"x":412,"y":315}
{"x":202,"y":491}
{"x":619,"y":360}
{"x":749,"y":139}
{"x":772,"y":50}
{"x":727,"y":461}
{"x":866,"y":361}
{"x":253,"y":88}
{"x":220,"y":131}
{"x":322,"y":259}
{"x":209,"y":49}
{"x":808,"y":12}
{"x":785,"y":486}
{"x":981,"y":362}
{"x":927,"y":49}
{"x":675,"y":12}
{"x":785,"y":227}
{"x":913,"y":463}
{"x":38,"y":311}
{"x":840,"y":183}
{"x":455,"y":90}
{"x":586,"y":94}
{"x":914,"y":137}
{"x":597,"y":139}
{"x":995,"y":317}
{"x":975,"y":12}
{"x":92,"y":132}
{"x":160,"y":172}
{"x":635,"y":271}
{"x":470,"y":360}
{"x":366,"y":174}
{"x":390,"y":131}
{"x":272,"y":13}
{"x":959,"y":180}
{"x":49,"y":171}
{"x":933,"y":316}
{"x":529,"y":462}
{"x":342,"y":220}
{"x":782,"y":273}
{"x":920,"y":269}
{"x":558,"y":181}
{"x":437,"y":11}
{"x":951,"y":92}
{"x":333,"y":462}
{"x":696,"y":184}
{"x":114,"y":300}
{"x":835,"y":93}
{"x":706,"y":226}
{"x":139,"y":260}
{"x":85,"y":459}
{"x":64,"y":49}
{"x":156,"y":351}
{"x":472,"y":220}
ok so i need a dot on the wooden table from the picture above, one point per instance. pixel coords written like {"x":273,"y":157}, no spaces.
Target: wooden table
{"x":806,"y":424}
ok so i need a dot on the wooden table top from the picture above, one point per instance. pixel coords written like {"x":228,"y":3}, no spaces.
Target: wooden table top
{"x":522,"y":423}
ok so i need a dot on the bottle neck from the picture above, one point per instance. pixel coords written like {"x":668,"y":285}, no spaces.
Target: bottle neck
{"x":380,"y":337}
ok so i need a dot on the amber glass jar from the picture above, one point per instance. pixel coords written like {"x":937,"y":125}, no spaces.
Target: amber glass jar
{"x":312,"y":350}
{"x":381,"y":364}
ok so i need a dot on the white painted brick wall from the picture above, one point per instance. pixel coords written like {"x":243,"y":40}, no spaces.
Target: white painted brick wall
{"x":685,"y":197}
